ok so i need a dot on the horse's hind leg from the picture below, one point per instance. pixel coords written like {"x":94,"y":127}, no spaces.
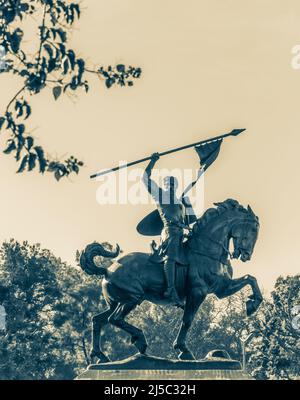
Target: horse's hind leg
{"x":117,"y":318}
{"x":98,"y":322}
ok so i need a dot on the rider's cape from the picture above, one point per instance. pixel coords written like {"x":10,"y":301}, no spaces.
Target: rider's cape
{"x":152,"y":224}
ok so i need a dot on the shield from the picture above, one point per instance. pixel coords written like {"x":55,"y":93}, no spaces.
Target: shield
{"x":152,"y":224}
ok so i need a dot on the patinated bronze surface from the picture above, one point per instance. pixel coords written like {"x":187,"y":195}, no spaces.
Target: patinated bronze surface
{"x":134,"y":278}
{"x":174,"y":213}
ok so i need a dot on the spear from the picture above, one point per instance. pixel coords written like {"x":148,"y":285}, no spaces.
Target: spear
{"x":234,"y":132}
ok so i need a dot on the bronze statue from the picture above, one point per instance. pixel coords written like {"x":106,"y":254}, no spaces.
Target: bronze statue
{"x":136,"y":277}
{"x":180,"y":273}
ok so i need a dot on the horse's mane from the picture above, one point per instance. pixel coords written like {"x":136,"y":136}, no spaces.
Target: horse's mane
{"x":221,"y":208}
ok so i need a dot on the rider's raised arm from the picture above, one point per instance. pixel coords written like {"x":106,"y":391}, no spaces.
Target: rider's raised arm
{"x":150,"y":184}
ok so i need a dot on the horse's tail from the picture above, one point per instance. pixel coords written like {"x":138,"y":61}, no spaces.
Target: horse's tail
{"x":86,"y":260}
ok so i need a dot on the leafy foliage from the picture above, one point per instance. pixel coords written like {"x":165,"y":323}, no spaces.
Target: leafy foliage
{"x":49,"y":306}
{"x":54,"y":65}
{"x":275,"y":352}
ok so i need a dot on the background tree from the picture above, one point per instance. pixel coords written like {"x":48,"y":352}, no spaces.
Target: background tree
{"x":47,"y":304}
{"x":54,"y":65}
{"x":275,"y":351}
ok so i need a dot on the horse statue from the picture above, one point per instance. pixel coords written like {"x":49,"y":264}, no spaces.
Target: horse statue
{"x":137,"y":276}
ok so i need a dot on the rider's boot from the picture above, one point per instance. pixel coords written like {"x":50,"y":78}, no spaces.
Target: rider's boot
{"x":171,"y":293}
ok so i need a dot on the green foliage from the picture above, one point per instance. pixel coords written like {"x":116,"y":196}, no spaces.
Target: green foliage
{"x":275,"y":352}
{"x":48,"y":306}
{"x":54,"y":65}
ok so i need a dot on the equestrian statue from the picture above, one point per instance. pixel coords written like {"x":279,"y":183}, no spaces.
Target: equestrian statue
{"x":191,"y":261}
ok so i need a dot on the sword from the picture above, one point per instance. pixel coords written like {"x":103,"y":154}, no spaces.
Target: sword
{"x":234,"y":132}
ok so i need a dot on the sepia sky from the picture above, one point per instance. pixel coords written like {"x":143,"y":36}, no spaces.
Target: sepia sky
{"x":208,"y":66}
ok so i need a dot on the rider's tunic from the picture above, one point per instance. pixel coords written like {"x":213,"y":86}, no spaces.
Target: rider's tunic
{"x":173,"y":217}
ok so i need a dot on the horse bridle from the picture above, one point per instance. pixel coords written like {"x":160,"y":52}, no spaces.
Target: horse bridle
{"x":220,"y":259}
{"x":227,"y":251}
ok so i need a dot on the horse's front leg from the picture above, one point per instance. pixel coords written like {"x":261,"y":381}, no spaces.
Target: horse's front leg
{"x":193,"y":302}
{"x":235,"y":285}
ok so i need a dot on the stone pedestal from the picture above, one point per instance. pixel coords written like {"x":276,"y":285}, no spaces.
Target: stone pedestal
{"x":142,"y":367}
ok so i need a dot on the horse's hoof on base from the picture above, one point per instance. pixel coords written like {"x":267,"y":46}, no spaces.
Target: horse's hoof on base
{"x":142,"y":347}
{"x":103,"y":361}
{"x":186,"y":356}
{"x":101,"y":358}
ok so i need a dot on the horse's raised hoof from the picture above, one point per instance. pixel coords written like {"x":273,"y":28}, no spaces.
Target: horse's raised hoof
{"x":186,"y":356}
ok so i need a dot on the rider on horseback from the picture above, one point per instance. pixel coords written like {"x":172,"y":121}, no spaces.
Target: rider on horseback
{"x":174,"y":214}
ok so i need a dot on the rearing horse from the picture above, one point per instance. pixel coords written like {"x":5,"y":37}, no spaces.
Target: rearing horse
{"x":134,"y":278}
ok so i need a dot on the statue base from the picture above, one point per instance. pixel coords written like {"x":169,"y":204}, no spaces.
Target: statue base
{"x":143,"y":367}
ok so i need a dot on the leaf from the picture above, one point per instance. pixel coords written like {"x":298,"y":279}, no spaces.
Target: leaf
{"x":11,"y":146}
{"x":109,"y":82}
{"x":19,"y":108}
{"x":24,"y":7}
{"x":72,"y":58}
{"x":2,"y":120}
{"x":29,"y":141}
{"x":31,"y":161}
{"x":49,"y":50}
{"x":57,"y":175}
{"x":86,"y":86}
{"x":21,"y":129}
{"x":81,"y":64}
{"x":76,"y":8}
{"x":23,"y":164}
{"x":62,"y":34}
{"x":75,"y":168}
{"x":56,"y":92}
{"x":51,"y":64}
{"x":23,"y":73}
{"x":65,"y":66}
{"x":41,"y":158}
{"x":27,"y":110}
{"x":74,"y":83}
{"x":62,"y":49}
{"x":15,"y":40}
{"x":120,"y":68}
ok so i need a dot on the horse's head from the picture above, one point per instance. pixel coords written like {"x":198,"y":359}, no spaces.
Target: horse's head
{"x":244,"y":233}
{"x":229,"y":220}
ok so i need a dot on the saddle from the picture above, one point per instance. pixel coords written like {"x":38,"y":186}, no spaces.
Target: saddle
{"x":157,"y":256}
